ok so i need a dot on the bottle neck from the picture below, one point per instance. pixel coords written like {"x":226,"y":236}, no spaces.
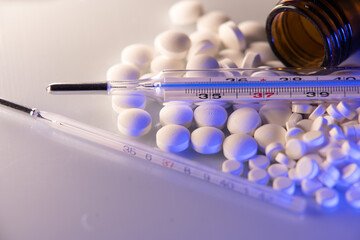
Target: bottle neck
{"x":309,"y":33}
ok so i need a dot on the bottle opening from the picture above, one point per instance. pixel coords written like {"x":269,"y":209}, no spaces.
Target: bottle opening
{"x":296,"y":40}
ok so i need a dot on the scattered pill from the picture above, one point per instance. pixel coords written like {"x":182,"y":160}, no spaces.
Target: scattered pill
{"x":318,"y":112}
{"x":129,"y":99}
{"x":203,"y":47}
{"x":173,"y":44}
{"x":173,"y":138}
{"x":258,"y":175}
{"x":243,"y":120}
{"x":269,"y":133}
{"x":307,"y":168}
{"x":295,"y":148}
{"x":139,"y":55}
{"x":176,"y":114}
{"x":202,"y":61}
{"x":199,"y":36}
{"x":273,"y":149}
{"x":337,"y":133}
{"x":160,"y":63}
{"x":134,"y":122}
{"x":263,"y":48}
{"x":227,"y":63}
{"x":233,"y":167}
{"x":251,"y":60}
{"x":345,"y":110}
{"x":327,"y":197}
{"x":333,"y":112}
{"x":122,"y":71}
{"x":239,"y":147}
{"x":302,"y":108}
{"x":319,"y":124}
{"x":211,"y":115}
{"x":283,"y":159}
{"x":277,"y":170}
{"x":351,"y":149}
{"x":336,"y":156}
{"x":236,"y":56}
{"x":207,"y":140}
{"x":292,"y":120}
{"x":305,"y":124}
{"x":259,"y":161}
{"x":330,"y":119}
{"x":293,"y":176}
{"x":185,"y":12}
{"x":310,"y":186}
{"x":294,"y":133}
{"x":329,"y":176}
{"x":231,"y":36}
{"x":211,"y":21}
{"x":350,"y":173}
{"x":277,"y":114}
{"x":314,"y":139}
{"x":284,"y":184}
{"x":253,"y":31}
{"x":352,"y":196}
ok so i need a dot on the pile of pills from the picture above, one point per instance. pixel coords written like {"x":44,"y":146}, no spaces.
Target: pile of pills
{"x":291,"y":146}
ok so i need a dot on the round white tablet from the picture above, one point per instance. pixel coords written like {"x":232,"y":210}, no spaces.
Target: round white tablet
{"x":314,"y":139}
{"x":207,"y":140}
{"x":327,"y":197}
{"x":302,"y":108}
{"x":283,"y":159}
{"x":228,"y":63}
{"x":264,"y":49}
{"x":160,"y":63}
{"x":295,"y":148}
{"x":199,"y":36}
{"x":275,"y":113}
{"x":273,"y":149}
{"x":243,"y":120}
{"x":329,"y":176}
{"x":233,"y":167}
{"x":352,"y":196}
{"x":236,"y":56}
{"x":294,"y":133}
{"x":318,"y":112}
{"x":122,"y":71}
{"x":305,"y":124}
{"x":284,"y":184}
{"x":239,"y":147}
{"x":336,"y":156}
{"x":134,"y":122}
{"x":180,"y":114}
{"x":173,"y":138}
{"x":319,"y":124}
{"x":333,"y":112}
{"x":211,"y":115}
{"x":259,"y":161}
{"x":128,"y":99}
{"x":307,"y":167}
{"x":345,"y":110}
{"x":139,"y":55}
{"x":251,"y":60}
{"x":202,"y":61}
{"x":269,"y":133}
{"x":185,"y":12}
{"x":203,"y":47}
{"x":253,"y":31}
{"x":292,"y":120}
{"x":277,"y":170}
{"x":231,"y":36}
{"x":173,"y":44}
{"x":350,"y":173}
{"x":258,"y":175}
{"x":211,"y":21}
{"x":310,"y":186}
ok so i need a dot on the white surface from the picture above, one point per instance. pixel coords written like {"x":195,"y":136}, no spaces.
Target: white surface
{"x":56,"y":187}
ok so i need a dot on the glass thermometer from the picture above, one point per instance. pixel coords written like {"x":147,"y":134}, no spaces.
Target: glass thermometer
{"x":234,"y":84}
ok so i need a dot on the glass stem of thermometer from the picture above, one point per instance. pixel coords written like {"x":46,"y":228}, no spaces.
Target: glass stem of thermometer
{"x":234,"y":84}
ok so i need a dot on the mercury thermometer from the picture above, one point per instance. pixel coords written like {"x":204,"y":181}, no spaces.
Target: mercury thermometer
{"x":234,"y":84}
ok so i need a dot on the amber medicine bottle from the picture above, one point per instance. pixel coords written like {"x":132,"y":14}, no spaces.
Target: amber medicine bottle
{"x":314,"y":33}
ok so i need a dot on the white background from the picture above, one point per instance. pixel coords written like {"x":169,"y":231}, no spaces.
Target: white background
{"x":56,"y":187}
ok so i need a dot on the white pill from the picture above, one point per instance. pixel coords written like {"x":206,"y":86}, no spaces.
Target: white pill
{"x":160,"y":63}
{"x":327,"y":147}
{"x":211,"y":115}
{"x":273,"y":149}
{"x":173,"y":44}
{"x":295,"y":148}
{"x":176,"y":114}
{"x":316,"y":157}
{"x":319,"y":124}
{"x":134,"y":122}
{"x":277,"y":170}
{"x":292,"y":120}
{"x":302,"y":108}
{"x":231,"y":36}
{"x":199,"y":36}
{"x":275,"y":113}
{"x":335,"y":156}
{"x":327,"y":197}
{"x":173,"y":138}
{"x":337,"y":133}
{"x":251,"y":60}
{"x":259,"y":161}
{"x":305,"y":124}
{"x":243,"y":120}
{"x":333,"y":112}
{"x":233,"y":167}
{"x":269,"y":133}
{"x":330,"y":119}
{"x":349,"y":123}
{"x":227,"y":63}
{"x":314,"y":139}
{"x":351,"y":132}
{"x":294,"y":133}
{"x":351,"y":149}
{"x":293,"y":176}
{"x":284,"y":184}
{"x":345,"y":110}
{"x":329,"y":176}
{"x":318,"y":112}
{"x":310,"y":186}
{"x":307,"y":168}
{"x":253,"y":31}
{"x":258,"y":175}
{"x":202,"y":61}
{"x":211,"y":21}
{"x":350,"y":173}
{"x":139,"y":55}
{"x":129,"y":99}
{"x":122,"y":71}
{"x":203,"y":47}
{"x":185,"y":12}
{"x":283,"y":159}
{"x":207,"y":140}
{"x":263,"y":48}
{"x":236,"y":56}
{"x":352,"y":196}
{"x":239,"y":147}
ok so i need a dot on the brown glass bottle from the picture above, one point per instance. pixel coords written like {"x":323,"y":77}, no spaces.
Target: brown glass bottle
{"x":314,"y":33}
